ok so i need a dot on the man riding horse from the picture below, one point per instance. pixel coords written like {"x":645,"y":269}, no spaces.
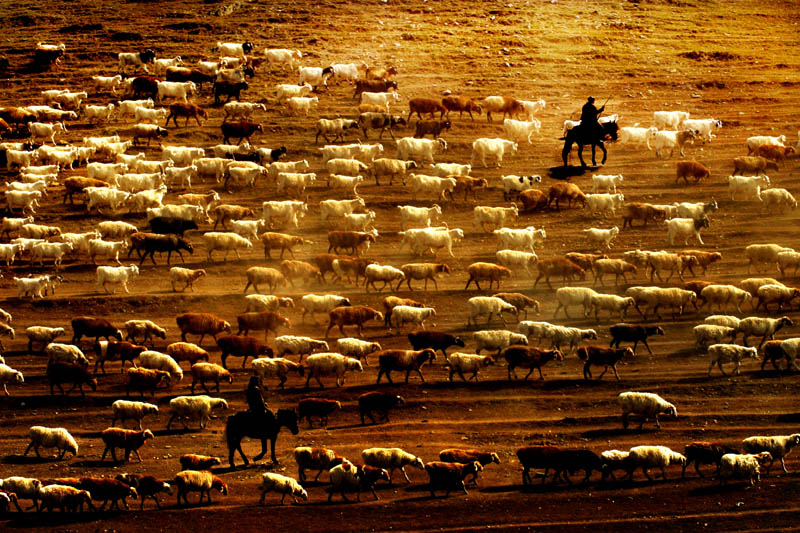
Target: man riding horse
{"x":589,"y":132}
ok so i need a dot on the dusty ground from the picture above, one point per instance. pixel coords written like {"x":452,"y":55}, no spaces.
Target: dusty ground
{"x":731,"y":62}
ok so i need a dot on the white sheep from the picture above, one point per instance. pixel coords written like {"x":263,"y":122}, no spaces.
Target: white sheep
{"x":777,"y":198}
{"x":284,"y":485}
{"x":495,"y":147}
{"x":9,"y":375}
{"x":160,"y":361}
{"x":774,"y":293}
{"x":652,"y":457}
{"x":655,"y":297}
{"x":752,"y":285}
{"x":520,"y":239}
{"x":194,"y":408}
{"x":734,"y":465}
{"x":65,"y":353}
{"x":513,"y":185}
{"x":532,"y":329}
{"x":645,"y":404}
{"x":606,"y":182}
{"x":685,"y":228}
{"x":568,"y":296}
{"x":723,"y":320}
{"x":123,"y":410}
{"x":63,"y":497}
{"x":488,"y":305}
{"x":418,"y":216}
{"x":517,"y":260}
{"x":461,"y":363}
{"x":44,"y":437}
{"x":778,"y":447}
{"x":385,"y":273}
{"x":357,"y":348}
{"x":391,"y":459}
{"x":724,"y":295}
{"x":115,"y":275}
{"x":597,"y":203}
{"x":724,"y":353}
{"x":611,"y":303}
{"x":762,"y":327}
{"x":144,"y":328}
{"x":494,"y":216}
{"x":325,"y":364}
{"x":405,"y":314}
{"x":227,"y":241}
{"x":43,"y":335}
{"x":601,"y":237}
{"x":707,"y":334}
{"x":573,"y":336}
{"x":747,"y":187}
{"x":496,"y":339}
{"x":321,"y":303}
{"x":294,"y":345}
{"x":431,"y":240}
{"x":266,"y":302}
{"x":23,"y":487}
{"x":439,"y":188}
{"x":787,"y":260}
{"x":187,"y":276}
{"x":613,"y":460}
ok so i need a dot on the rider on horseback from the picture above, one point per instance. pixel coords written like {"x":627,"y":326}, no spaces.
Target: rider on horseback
{"x":589,"y":117}
{"x":255,"y":401}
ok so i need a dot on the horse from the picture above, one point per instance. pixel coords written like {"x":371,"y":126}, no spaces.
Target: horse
{"x":577,"y":135}
{"x":247,"y":424}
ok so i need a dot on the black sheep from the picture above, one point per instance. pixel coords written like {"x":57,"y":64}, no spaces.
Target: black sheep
{"x":377,"y":402}
{"x":436,"y":340}
{"x":633,"y":333}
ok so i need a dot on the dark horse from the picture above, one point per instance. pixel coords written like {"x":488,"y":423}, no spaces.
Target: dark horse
{"x":577,"y":135}
{"x":246,"y":424}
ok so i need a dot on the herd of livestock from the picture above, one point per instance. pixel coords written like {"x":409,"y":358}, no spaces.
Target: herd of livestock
{"x":112,"y":181}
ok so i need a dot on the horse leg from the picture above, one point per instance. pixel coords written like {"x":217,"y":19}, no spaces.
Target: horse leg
{"x":263,"y":450}
{"x":272,"y":441}
{"x":565,"y":152}
{"x":580,"y":155}
{"x":594,"y":146}
{"x":605,"y":153}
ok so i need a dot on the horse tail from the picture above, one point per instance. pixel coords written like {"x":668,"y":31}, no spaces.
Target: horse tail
{"x":227,"y":437}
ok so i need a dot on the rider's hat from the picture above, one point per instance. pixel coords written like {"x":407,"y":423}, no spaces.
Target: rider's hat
{"x":591,"y":99}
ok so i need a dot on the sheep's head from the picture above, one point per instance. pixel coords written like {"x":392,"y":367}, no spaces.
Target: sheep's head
{"x":763,"y":458}
{"x":418,"y":463}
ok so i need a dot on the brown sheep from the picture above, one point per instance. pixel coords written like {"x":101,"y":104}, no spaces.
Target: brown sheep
{"x":226,"y":212}
{"x":353,"y":240}
{"x":128,"y":439}
{"x":143,"y":379}
{"x":186,"y":110}
{"x":691,"y":169}
{"x":146,"y":486}
{"x":602,"y":356}
{"x":355,"y":315}
{"x":270,"y":276}
{"x":530,"y":357}
{"x":558,"y":266}
{"x":243,"y":129}
{"x":434,"y":127}
{"x":486,"y":271}
{"x":265,"y":320}
{"x":324,"y":263}
{"x":116,"y":351}
{"x":565,"y":191}
{"x":192,"y":461}
{"x":420,"y":271}
{"x":87,"y":326}
{"x":618,"y":267}
{"x":469,"y":455}
{"x":520,"y":301}
{"x":186,"y":351}
{"x":533,"y":200}
{"x":753,"y":165}
{"x":641,"y":211}
{"x":773,"y":152}
{"x":371,"y":108}
{"x":425,"y":105}
{"x":403,"y":360}
{"x":469,"y":185}
{"x":321,"y":407}
{"x":390,"y":302}
{"x":241,"y":346}
{"x":355,"y":266}
{"x":380,"y":73}
{"x":585,"y":261}
{"x":280,"y":241}
{"x":461,"y":104}
{"x":16,"y":115}
{"x":301,"y":270}
{"x":704,"y":259}
{"x":202,"y":372}
{"x":59,"y":373}
{"x":76,"y":185}
{"x":697,"y":286}
{"x":201,"y":324}
{"x":506,"y":105}
{"x":374,"y":86}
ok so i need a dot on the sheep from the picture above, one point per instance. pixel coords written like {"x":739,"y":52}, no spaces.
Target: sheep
{"x":558,"y":266}
{"x":391,"y":459}
{"x":652,"y":457}
{"x":776,"y":293}
{"x":392,"y":168}
{"x":644,"y":404}
{"x":419,"y":149}
{"x":116,"y":351}
{"x":531,"y":329}
{"x":115,"y":275}
{"x":489,"y":305}
{"x":123,"y":410}
{"x":748,"y":187}
{"x":486,"y":271}
{"x":763,"y":327}
{"x":752,"y":165}
{"x":43,"y":335}
{"x":418,"y":216}
{"x":383,"y":100}
{"x":385,"y":273}
{"x":723,"y":320}
{"x":201,"y":324}
{"x":600,"y":236}
{"x":440,"y":188}
{"x":321,"y":407}
{"x":354,"y":240}
{"x":226,"y":241}
{"x":403,"y":314}
{"x":191,"y":461}
{"x":321,"y":459}
{"x":290,"y":344}
{"x":198,"y":481}
{"x":194,"y":408}
{"x":146,"y":328}
{"x":568,"y":296}
{"x":283,"y":91}
{"x":403,"y":360}
{"x":464,"y":362}
{"x":203,"y":372}
{"x":691,"y":169}
{"x":265,"y":275}
{"x":314,"y":303}
{"x":160,"y":361}
{"x":779,"y":198}
{"x":281,"y":484}
{"x":708,"y":334}
{"x":65,"y":353}
{"x":127,"y":439}
{"x":351,"y":316}
{"x":431,"y":239}
{"x":44,"y":437}
{"x":742,"y":465}
{"x":724,"y":295}
{"x":241,"y":346}
{"x":670,"y":139}
{"x":519,"y":239}
{"x":64,"y":497}
{"x":496,"y":340}
{"x":59,"y":373}
{"x":655,"y":297}
{"x":323,"y":364}
{"x":263,"y":320}
{"x":705,"y":453}
{"x":187,"y":276}
{"x":763,"y":253}
{"x":22,"y":487}
{"x":723,"y":353}
{"x":146,"y":486}
{"x":777,"y":446}
{"x":9,"y":375}
{"x":460,"y":455}
{"x":618,"y":267}
{"x":278,"y":367}
{"x":614,"y":460}
{"x":143,"y":379}
{"x":561,"y":335}
{"x":597,"y":203}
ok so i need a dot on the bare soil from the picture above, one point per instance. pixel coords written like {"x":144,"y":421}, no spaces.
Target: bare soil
{"x":735,"y":62}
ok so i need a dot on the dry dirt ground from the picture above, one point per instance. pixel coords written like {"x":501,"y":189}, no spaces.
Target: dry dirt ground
{"x":732,"y":61}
